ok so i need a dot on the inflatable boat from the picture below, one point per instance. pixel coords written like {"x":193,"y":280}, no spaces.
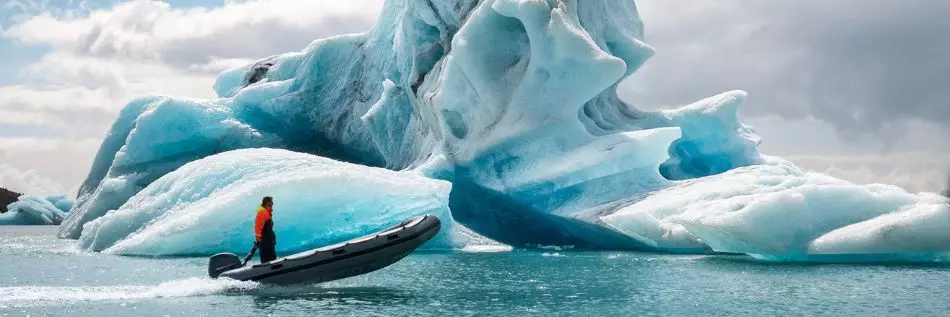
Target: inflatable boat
{"x":355,"y":257}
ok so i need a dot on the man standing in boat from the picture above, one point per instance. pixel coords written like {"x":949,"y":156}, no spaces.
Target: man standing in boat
{"x":266,"y":240}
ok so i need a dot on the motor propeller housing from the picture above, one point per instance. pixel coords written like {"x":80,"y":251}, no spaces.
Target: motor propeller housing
{"x":221,"y":262}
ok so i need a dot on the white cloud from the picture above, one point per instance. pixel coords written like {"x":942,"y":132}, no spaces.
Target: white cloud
{"x":45,"y":166}
{"x":28,"y":182}
{"x":58,"y":69}
{"x":919,"y":162}
{"x":101,"y":58}
{"x":26,"y":98}
{"x":913,"y":171}
{"x":120,"y":78}
{"x":152,"y":30}
{"x":16,"y":116}
{"x":64,"y":112}
{"x":217,"y":65}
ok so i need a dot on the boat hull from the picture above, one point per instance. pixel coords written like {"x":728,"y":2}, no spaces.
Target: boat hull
{"x":351,"y":258}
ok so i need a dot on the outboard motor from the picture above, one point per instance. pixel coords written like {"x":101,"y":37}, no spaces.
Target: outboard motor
{"x":223,"y":262}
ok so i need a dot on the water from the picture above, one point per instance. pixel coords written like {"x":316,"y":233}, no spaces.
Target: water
{"x":41,"y":275}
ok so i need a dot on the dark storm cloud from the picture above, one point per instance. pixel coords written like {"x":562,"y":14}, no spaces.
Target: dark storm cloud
{"x":862,"y":66}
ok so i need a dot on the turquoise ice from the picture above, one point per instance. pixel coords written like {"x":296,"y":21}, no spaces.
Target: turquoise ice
{"x":778,"y":212}
{"x":209,"y":204}
{"x":37,"y":210}
{"x":515,"y":103}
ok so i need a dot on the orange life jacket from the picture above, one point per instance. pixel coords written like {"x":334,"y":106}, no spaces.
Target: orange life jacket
{"x":263,"y":216}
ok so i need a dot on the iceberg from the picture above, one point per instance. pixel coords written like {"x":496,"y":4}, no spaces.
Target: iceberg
{"x":151,"y":137}
{"x":311,"y":101}
{"x":208,"y":206}
{"x":36,"y":210}
{"x":777,"y":212}
{"x":417,"y":92}
{"x":514,"y":102}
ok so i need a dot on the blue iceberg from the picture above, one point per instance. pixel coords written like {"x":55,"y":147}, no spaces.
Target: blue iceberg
{"x":37,"y":210}
{"x":777,"y":212}
{"x":151,"y":137}
{"x":208,"y":205}
{"x":515,"y":103}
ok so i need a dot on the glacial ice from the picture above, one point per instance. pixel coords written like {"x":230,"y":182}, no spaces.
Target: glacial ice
{"x":151,"y":137}
{"x":37,"y":210}
{"x":208,"y":205}
{"x":777,"y":212}
{"x":515,"y":103}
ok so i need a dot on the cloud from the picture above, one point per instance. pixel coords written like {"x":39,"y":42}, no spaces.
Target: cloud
{"x":919,"y":162}
{"x":913,"y":171}
{"x":849,"y":88}
{"x":64,"y":112}
{"x":217,"y":65}
{"x":69,"y":97}
{"x":27,"y":182}
{"x":875,"y":74}
{"x":100,"y":57}
{"x":58,"y":70}
{"x":155,"y":31}
{"x":865,"y":68}
{"x":45,"y":166}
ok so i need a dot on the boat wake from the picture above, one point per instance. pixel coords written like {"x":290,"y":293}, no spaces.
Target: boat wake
{"x":33,"y":296}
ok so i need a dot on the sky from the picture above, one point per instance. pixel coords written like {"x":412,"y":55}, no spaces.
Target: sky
{"x":852,"y":88}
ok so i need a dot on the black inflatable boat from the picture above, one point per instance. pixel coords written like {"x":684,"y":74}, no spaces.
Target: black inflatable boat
{"x":355,"y":257}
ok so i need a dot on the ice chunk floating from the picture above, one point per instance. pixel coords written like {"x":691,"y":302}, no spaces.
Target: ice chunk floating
{"x":777,"y":212}
{"x":36,"y":210}
{"x":208,"y":206}
{"x":515,"y":103}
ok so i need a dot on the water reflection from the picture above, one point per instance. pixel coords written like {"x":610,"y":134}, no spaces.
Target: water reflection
{"x":743,"y":261}
{"x":268,"y":298}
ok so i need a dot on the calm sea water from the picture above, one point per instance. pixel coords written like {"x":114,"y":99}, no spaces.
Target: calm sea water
{"x":41,"y":275}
